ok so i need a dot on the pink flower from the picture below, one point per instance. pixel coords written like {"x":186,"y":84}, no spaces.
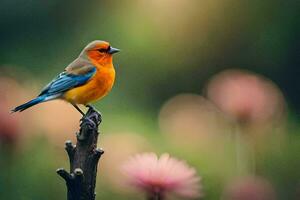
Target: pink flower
{"x":246,"y":97}
{"x":249,"y":188}
{"x":9,"y":126}
{"x":162,"y":176}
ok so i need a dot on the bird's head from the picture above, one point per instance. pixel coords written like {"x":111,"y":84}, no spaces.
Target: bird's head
{"x":99,"y":52}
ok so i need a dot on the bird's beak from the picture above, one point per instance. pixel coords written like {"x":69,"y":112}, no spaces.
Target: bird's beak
{"x":113,"y":50}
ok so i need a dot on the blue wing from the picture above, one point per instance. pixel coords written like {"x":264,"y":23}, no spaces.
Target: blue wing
{"x":65,"y":81}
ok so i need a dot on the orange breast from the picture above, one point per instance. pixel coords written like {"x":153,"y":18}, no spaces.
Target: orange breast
{"x":99,"y":85}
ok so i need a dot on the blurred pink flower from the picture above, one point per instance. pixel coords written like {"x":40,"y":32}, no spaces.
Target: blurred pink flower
{"x":21,"y":124}
{"x":246,"y":97}
{"x":164,"y":176}
{"x":10,"y":129}
{"x":9,"y":126}
{"x":193,"y":121}
{"x":249,"y":188}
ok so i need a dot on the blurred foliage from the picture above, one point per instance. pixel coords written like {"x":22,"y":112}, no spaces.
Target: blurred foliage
{"x":168,"y":47}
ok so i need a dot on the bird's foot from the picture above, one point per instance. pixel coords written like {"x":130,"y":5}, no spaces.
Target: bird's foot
{"x":90,"y":121}
{"x":94,"y":113}
{"x":92,"y":117}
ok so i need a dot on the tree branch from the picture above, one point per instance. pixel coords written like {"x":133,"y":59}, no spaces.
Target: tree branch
{"x":83,"y":157}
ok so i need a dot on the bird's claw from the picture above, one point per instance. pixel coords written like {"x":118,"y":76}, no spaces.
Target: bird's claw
{"x":90,"y":120}
{"x":94,"y":113}
{"x":87,"y":120}
{"x":92,"y":117}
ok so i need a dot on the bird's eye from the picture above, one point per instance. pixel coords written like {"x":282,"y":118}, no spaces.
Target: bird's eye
{"x":103,"y":50}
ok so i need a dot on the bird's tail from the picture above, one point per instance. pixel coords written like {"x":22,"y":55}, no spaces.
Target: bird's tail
{"x":33,"y":102}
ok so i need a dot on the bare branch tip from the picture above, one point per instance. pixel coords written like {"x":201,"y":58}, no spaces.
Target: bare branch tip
{"x":68,"y":143}
{"x":64,"y":174}
{"x":99,"y":151}
{"x":78,"y":172}
{"x":97,"y":154}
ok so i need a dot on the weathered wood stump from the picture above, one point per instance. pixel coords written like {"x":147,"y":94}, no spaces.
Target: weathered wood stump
{"x":83,"y":157}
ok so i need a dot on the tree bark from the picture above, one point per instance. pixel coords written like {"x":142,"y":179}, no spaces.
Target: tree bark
{"x":83,"y":157}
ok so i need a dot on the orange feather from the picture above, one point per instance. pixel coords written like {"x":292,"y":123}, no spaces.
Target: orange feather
{"x":98,"y":86}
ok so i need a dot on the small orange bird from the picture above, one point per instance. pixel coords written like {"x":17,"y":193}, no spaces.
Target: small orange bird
{"x":88,"y":78}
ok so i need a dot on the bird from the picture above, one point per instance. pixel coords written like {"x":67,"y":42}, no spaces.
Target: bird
{"x":88,"y":78}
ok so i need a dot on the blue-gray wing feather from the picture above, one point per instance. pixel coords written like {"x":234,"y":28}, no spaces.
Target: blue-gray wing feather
{"x":65,"y":81}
